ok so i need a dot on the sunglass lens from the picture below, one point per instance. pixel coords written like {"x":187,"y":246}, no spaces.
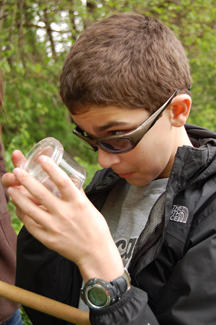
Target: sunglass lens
{"x":116,"y":145}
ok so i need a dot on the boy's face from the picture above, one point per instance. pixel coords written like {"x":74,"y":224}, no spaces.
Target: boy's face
{"x":153,"y":156}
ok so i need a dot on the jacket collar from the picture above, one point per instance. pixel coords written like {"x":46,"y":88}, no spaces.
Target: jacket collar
{"x":191,"y":164}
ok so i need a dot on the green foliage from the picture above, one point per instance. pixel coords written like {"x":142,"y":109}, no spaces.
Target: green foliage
{"x":25,"y":319}
{"x":35,"y":37}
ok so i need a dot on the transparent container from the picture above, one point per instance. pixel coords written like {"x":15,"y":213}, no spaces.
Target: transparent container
{"x":53,"y":148}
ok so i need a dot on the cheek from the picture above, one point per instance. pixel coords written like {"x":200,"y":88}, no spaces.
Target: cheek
{"x":152,"y":155}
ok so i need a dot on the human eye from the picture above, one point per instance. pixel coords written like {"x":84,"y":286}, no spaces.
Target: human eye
{"x":118,"y":132}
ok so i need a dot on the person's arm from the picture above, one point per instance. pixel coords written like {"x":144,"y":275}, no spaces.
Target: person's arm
{"x":47,"y":273}
{"x":70,"y":225}
{"x":74,"y":228}
{"x":42,"y":270}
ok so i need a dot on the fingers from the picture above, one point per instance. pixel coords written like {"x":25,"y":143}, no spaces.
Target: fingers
{"x":35,"y":191}
{"x":34,"y":228}
{"x":31,"y":225}
{"x":9,"y":180}
{"x":38,"y":191}
{"x":57,"y":175}
{"x":19,"y":212}
{"x":59,"y":178}
{"x":17,"y":158}
{"x":25,"y":208}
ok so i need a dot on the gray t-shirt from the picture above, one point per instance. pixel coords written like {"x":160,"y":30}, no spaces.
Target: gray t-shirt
{"x":126,"y":211}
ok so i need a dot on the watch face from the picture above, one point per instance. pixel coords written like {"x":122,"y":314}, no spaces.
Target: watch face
{"x":98,"y":296}
{"x":98,"y":293}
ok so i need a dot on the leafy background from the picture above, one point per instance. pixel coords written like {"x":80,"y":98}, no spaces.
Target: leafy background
{"x":35,"y":37}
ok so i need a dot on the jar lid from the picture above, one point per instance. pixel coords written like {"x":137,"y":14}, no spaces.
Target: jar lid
{"x":50,"y":147}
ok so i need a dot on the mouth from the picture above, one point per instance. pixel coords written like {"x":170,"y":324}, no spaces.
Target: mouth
{"x":125,"y":175}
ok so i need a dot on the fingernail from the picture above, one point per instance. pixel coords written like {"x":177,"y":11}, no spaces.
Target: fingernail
{"x":17,"y":171}
{"x":42,"y":158}
{"x":10,"y":190}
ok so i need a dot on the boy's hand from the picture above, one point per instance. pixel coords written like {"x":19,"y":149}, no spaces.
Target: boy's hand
{"x":9,"y":179}
{"x":70,"y":225}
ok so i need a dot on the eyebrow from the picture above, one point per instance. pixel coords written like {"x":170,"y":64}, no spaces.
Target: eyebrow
{"x":111,"y":124}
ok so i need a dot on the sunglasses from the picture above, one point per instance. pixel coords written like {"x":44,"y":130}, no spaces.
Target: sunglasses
{"x":124,"y":142}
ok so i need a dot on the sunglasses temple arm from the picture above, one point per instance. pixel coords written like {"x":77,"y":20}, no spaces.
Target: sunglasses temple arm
{"x":154,"y":117}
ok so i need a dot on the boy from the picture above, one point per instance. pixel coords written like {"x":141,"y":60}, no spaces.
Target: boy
{"x":126,"y":83}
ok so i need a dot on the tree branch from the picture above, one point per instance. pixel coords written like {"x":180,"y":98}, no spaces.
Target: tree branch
{"x":49,"y":33}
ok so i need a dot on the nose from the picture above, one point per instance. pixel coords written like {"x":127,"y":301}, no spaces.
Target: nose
{"x":106,"y":159}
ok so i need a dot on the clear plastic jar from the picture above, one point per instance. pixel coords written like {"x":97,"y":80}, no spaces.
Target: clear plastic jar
{"x":52,"y":148}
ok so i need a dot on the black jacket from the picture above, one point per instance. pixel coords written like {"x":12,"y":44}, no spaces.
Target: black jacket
{"x":174,"y":262}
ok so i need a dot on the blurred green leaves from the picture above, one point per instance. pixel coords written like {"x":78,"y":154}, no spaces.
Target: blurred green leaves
{"x":35,"y":38}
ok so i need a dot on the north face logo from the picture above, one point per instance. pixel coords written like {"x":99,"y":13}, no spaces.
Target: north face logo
{"x":179,"y":214}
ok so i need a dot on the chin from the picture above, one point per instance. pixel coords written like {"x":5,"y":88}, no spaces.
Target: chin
{"x":141,"y":179}
{"x":137,"y":182}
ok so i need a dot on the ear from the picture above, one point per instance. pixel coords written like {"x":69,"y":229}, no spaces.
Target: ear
{"x":180,"y":109}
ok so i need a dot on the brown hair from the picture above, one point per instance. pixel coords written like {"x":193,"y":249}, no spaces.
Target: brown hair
{"x":1,"y":92}
{"x":127,"y":60}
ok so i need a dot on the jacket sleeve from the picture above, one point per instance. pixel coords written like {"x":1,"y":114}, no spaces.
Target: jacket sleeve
{"x":47,"y":273}
{"x":132,"y":309}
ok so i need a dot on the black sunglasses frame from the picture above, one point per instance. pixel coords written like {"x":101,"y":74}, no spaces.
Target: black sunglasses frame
{"x":133,"y":136}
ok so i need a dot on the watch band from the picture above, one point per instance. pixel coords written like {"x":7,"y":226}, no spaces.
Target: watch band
{"x":97,"y":293}
{"x":122,"y":283}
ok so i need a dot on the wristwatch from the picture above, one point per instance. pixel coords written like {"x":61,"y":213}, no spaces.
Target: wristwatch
{"x":97,"y":293}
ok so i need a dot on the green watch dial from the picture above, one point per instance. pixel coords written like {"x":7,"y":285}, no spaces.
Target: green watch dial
{"x":98,"y":296}
{"x":97,"y":293}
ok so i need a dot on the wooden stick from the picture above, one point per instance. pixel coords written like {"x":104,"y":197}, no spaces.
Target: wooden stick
{"x":43,"y":304}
